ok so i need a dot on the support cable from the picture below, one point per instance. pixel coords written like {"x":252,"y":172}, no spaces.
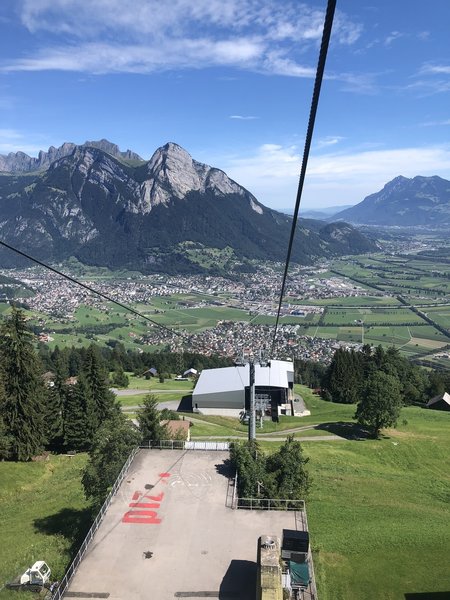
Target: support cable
{"x":91,"y":289}
{"x":328,"y":23}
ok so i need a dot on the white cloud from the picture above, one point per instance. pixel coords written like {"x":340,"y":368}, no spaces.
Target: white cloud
{"x":436,"y":70}
{"x":394,"y":35}
{"x":12,"y":140}
{"x":271,"y":172}
{"x":328,"y":141}
{"x":435,"y":123}
{"x":243,"y":117}
{"x":143,"y":36}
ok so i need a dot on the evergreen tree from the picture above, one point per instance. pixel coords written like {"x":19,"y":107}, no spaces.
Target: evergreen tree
{"x":113,"y":443}
{"x":53,"y":412}
{"x":102,"y":399}
{"x":149,"y":419}
{"x":77,"y":416}
{"x":61,"y":362}
{"x":436,"y":384}
{"x":5,"y":438}
{"x":343,"y":378}
{"x":120,"y":378}
{"x":380,"y":404}
{"x":24,"y":388}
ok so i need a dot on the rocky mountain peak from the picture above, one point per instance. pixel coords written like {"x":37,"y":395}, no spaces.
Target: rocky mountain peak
{"x":19,"y":162}
{"x":173,"y":173}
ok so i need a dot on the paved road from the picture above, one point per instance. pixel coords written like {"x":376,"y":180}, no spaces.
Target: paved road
{"x":134,"y":392}
{"x":170,"y":404}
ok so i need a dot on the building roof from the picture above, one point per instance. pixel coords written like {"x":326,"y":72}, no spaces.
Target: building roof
{"x":229,"y":379}
{"x":190,"y":371}
{"x":445,"y":397}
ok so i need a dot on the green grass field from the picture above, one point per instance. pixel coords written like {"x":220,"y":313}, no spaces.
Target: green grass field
{"x":379,"y":513}
{"x":43,"y":515}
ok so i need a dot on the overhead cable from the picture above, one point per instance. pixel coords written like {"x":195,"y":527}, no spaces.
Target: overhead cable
{"x":91,"y":289}
{"x":328,"y":23}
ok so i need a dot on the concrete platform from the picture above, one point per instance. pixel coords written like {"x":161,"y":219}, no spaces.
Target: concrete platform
{"x":173,"y":504}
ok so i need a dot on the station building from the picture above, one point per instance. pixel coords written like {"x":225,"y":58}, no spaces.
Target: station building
{"x":226,"y":391}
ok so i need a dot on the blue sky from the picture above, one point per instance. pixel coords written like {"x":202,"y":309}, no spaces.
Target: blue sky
{"x":231,"y":82}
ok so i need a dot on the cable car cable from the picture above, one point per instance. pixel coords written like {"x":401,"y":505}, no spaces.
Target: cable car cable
{"x":91,"y":289}
{"x":328,"y":23}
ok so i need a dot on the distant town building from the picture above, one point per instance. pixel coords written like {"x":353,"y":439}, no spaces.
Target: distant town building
{"x":190,"y":373}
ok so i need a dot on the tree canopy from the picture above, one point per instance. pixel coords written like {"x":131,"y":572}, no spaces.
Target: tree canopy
{"x":380,"y":404}
{"x":23,"y":402}
{"x":112,"y":444}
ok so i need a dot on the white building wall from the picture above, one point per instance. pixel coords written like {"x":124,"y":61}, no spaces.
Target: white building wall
{"x":232,"y":399}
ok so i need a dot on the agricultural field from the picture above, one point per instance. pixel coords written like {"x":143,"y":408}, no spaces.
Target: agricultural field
{"x":370,"y":316}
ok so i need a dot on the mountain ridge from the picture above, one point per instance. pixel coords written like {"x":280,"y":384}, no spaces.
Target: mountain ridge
{"x":96,"y":207}
{"x":403,"y":202}
{"x":19,"y":162}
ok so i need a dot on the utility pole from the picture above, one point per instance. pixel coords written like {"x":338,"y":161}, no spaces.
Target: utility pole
{"x":252,"y":420}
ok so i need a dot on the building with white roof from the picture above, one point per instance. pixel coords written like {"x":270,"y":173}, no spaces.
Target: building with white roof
{"x":226,"y":391}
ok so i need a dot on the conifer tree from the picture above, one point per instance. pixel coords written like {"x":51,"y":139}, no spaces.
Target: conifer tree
{"x":343,"y":377}
{"x":5,"y":438}
{"x":102,"y":399}
{"x":24,"y":388}
{"x":77,"y":416}
{"x":149,"y":419}
{"x":54,"y":413}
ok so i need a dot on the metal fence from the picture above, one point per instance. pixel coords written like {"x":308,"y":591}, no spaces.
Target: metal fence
{"x":63,"y":585}
{"x":269,"y":504}
{"x":185,"y":445}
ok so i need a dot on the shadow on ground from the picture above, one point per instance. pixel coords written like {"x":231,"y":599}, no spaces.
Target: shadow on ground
{"x":239,"y":582}
{"x":226,"y":468}
{"x":185,"y":404}
{"x":428,"y":596}
{"x":68,"y":522}
{"x":349,"y":431}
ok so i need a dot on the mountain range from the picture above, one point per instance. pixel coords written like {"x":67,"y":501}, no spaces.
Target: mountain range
{"x":113,"y":209}
{"x":403,"y":202}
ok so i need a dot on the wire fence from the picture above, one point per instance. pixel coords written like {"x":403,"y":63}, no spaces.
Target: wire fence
{"x":64,"y":583}
{"x":269,"y":504}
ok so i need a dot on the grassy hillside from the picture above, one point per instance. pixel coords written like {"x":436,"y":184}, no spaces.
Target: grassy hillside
{"x":379,"y":511}
{"x":44,"y":516}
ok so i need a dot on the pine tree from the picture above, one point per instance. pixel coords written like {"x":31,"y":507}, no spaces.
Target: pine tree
{"x":343,"y":377}
{"x":120,"y":378}
{"x":102,"y":399}
{"x":149,"y":419}
{"x":5,"y":438}
{"x":24,"y":389}
{"x":77,"y":416}
{"x":54,"y":414}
